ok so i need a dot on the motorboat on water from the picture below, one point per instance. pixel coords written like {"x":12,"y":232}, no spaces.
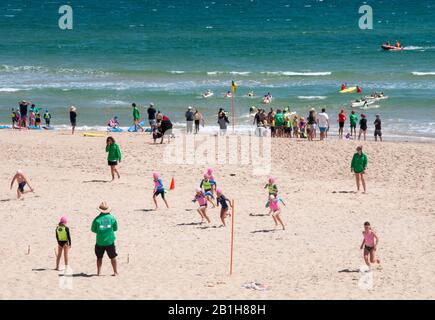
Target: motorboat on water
{"x":359,"y":103}
{"x":207,"y":94}
{"x":388,"y":47}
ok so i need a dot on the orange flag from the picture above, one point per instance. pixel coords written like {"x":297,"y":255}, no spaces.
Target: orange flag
{"x":172,"y":187}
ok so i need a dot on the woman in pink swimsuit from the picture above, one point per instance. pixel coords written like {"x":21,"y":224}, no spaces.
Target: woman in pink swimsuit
{"x":274,"y":208}
{"x":369,"y":244}
{"x":202,"y":201}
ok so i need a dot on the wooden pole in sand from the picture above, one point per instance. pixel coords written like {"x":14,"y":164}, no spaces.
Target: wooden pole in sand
{"x":232,"y":238}
{"x":232,"y":106}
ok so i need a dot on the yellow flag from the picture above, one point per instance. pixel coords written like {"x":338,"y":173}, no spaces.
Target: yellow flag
{"x":233,"y":86}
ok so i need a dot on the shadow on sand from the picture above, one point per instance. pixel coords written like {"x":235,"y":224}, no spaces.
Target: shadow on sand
{"x":263,"y":231}
{"x":96,"y":181}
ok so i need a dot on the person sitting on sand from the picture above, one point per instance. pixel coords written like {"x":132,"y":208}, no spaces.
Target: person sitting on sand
{"x":159,"y":189}
{"x":273,"y":204}
{"x":63,"y":237}
{"x":359,"y":167}
{"x":113,"y":123}
{"x":114,"y":156}
{"x":105,"y":226}
{"x":222,"y":200}
{"x":202,"y":201}
{"x":22,"y":181}
{"x":369,"y":244}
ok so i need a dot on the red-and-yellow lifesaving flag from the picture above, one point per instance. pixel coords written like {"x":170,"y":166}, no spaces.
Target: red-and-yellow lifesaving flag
{"x":233,"y":86}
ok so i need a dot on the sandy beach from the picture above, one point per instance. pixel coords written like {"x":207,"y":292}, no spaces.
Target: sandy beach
{"x":165,"y":254}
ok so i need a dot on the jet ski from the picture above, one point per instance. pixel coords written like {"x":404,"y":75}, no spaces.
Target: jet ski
{"x":387,"y":47}
{"x":361,"y":103}
{"x":207,"y":94}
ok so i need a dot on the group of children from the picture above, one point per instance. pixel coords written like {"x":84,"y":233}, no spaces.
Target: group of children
{"x":20,"y":121}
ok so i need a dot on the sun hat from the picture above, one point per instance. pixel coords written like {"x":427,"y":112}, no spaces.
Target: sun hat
{"x":63,"y":220}
{"x":104,"y":208}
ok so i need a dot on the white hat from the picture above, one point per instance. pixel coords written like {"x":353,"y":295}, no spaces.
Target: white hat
{"x":72,"y":108}
{"x":104,"y":208}
{"x":189,"y":107}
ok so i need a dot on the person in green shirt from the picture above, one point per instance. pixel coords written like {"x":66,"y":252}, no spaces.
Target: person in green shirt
{"x":353,"y":121}
{"x":359,"y":167}
{"x":136,"y":117}
{"x":114,"y":156}
{"x":279,"y":123}
{"x":105,"y":226}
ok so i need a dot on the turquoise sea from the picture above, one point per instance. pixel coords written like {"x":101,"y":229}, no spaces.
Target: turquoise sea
{"x":169,"y":52}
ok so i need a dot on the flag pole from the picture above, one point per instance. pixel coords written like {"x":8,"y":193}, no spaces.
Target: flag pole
{"x":232,"y":238}
{"x":232,"y":96}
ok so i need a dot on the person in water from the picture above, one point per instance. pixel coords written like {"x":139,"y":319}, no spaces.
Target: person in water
{"x":223,"y":201}
{"x":208,"y":187}
{"x":369,"y":244}
{"x":397,"y":44}
{"x":201,"y":198}
{"x":114,"y":156}
{"x":63,"y":237}
{"x":47,"y":118}
{"x":159,"y":189}
{"x":359,"y":167}
{"x":272,"y":188}
{"x":353,"y":119}
{"x":105,"y":226}
{"x":273,"y":204}
{"x":22,"y":182}
{"x":73,"y":118}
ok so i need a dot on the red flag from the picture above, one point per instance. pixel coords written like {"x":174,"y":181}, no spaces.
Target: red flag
{"x":172,"y":187}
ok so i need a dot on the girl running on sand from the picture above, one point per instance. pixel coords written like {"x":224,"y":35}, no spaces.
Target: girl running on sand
{"x":63,"y":238}
{"x":222,"y":200}
{"x":208,"y":186}
{"x":212,"y":179}
{"x":369,"y":244}
{"x":22,"y":181}
{"x":273,"y":204}
{"x":202,"y":201}
{"x":158,"y":189}
{"x":114,"y":156}
{"x":271,"y":186}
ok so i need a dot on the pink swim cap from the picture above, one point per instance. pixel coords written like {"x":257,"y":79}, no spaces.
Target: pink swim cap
{"x":271,"y":180}
{"x":209,"y":171}
{"x":156,"y":175}
{"x":198,"y":190}
{"x":63,"y":220}
{"x":206,"y":176}
{"x":218,"y":191}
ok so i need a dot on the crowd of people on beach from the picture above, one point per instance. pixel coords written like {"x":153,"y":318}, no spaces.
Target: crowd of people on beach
{"x":285,"y":124}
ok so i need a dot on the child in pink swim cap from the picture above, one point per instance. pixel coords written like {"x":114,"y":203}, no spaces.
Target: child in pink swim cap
{"x":63,"y":238}
{"x":271,"y":186}
{"x":273,"y":204}
{"x":202,"y":201}
{"x":208,"y":186}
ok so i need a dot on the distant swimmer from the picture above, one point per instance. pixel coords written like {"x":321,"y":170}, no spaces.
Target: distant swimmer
{"x":207,"y":94}
{"x":251,"y":94}
{"x":113,"y":123}
{"x":228,"y":94}
{"x":22,"y":182}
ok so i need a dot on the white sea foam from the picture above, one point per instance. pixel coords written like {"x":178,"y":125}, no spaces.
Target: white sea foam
{"x":312,"y":97}
{"x":238,"y":73}
{"x":293,"y":73}
{"x":10,"y":89}
{"x":113,"y":102}
{"x":430,"y":73}
{"x":177,"y":72}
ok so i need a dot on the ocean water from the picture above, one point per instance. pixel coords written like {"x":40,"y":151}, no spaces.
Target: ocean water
{"x":169,"y":52}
